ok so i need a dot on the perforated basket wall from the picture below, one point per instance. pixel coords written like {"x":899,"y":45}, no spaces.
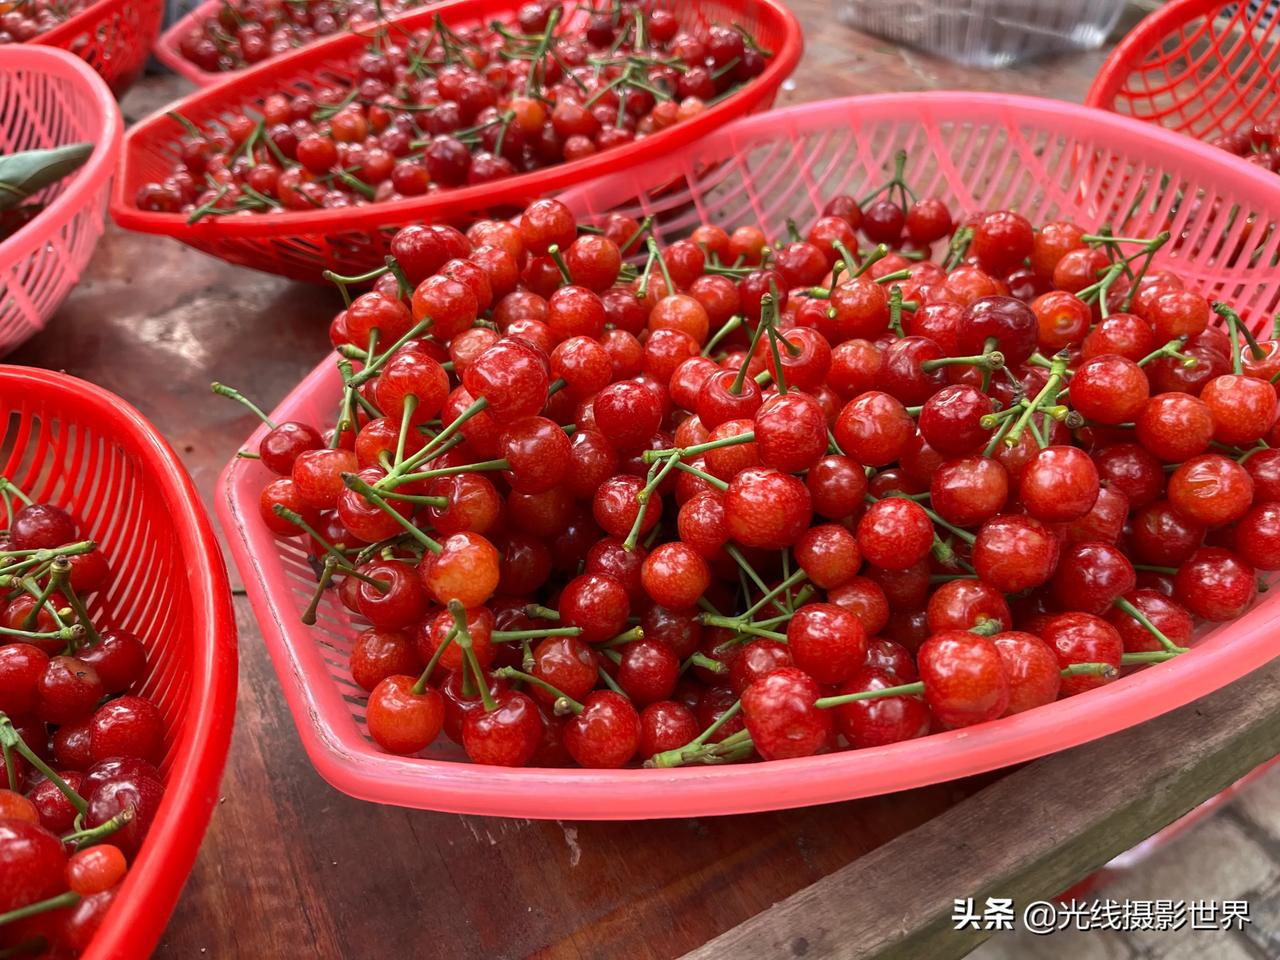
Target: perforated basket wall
{"x":1202,"y":67}
{"x":50,"y":98}
{"x":71,"y":443}
{"x":978,"y":151}
{"x":352,"y":240}
{"x":112,"y":36}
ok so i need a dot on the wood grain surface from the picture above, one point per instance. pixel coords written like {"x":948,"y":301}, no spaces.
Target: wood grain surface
{"x":291,"y":868}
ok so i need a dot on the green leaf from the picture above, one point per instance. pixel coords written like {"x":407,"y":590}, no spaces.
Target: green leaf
{"x":24,"y":174}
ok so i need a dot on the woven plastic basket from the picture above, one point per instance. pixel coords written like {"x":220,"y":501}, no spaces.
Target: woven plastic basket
{"x":112,"y":36}
{"x":352,"y":240}
{"x":1202,"y":67}
{"x":74,"y":444}
{"x":50,"y":98}
{"x":976,"y":150}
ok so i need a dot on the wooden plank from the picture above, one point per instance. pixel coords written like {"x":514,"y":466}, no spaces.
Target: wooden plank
{"x":1027,"y":836}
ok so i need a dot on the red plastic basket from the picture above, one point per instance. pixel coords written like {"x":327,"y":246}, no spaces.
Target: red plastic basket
{"x":976,"y":150}
{"x":1201,"y":67}
{"x":112,"y":36}
{"x":168,"y":48}
{"x":50,"y":98}
{"x":352,"y":240}
{"x":74,"y":444}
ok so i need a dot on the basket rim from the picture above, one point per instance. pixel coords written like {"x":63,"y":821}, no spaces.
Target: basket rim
{"x":97,"y":169}
{"x":1128,"y":53}
{"x":73,"y":25}
{"x":354,"y":765}
{"x":448,"y":202}
{"x":154,"y":881}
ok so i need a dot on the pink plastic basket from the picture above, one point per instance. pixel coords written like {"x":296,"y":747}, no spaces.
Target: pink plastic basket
{"x":1045,"y":158}
{"x":49,"y":98}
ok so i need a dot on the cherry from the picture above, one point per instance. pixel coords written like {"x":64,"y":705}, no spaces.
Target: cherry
{"x":928,"y":220}
{"x":1168,"y":616}
{"x":879,"y":721}
{"x":55,"y":812}
{"x":401,"y":719}
{"x":951,"y":420}
{"x":675,"y":576}
{"x":1015,"y":553}
{"x":1083,"y":638}
{"x":969,"y":491}
{"x":1032,"y":668}
{"x":317,"y":477}
{"x":378,"y":654}
{"x":1059,"y":484}
{"x":511,"y":377}
{"x":119,"y":658}
{"x":616,"y":508}
{"x":966,"y":604}
{"x":605,"y":734}
{"x":138,"y":791}
{"x":1243,"y":408}
{"x":1091,"y":576}
{"x":1002,"y":241}
{"x":1257,"y":536}
{"x":127,"y":727}
{"x":595,"y":603}
{"x":766,"y":508}
{"x":895,"y":534}
{"x":782,"y":717}
{"x":718,"y":401}
{"x":106,"y":771}
{"x":41,"y":525}
{"x":1109,"y":389}
{"x":67,"y":691}
{"x":826,"y":641}
{"x":648,"y":671}
{"x":466,"y":569}
{"x":665,"y":725}
{"x":508,"y":735}
{"x":756,"y":660}
{"x":1175,"y":426}
{"x":1064,"y":320}
{"x":1163,"y":536}
{"x":790,"y":432}
{"x":1215,"y":584}
{"x":21,"y":668}
{"x":1122,"y":334}
{"x":874,"y":428}
{"x":964,"y":678}
{"x":33,"y":861}
{"x":829,"y":555}
{"x":1210,"y":490}
{"x":626,"y":414}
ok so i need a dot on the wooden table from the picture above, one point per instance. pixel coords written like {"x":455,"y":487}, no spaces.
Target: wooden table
{"x":291,"y":868}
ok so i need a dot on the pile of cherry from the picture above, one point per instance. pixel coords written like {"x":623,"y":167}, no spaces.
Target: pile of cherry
{"x":1259,"y":144}
{"x":26,"y":19}
{"x":604,"y":502}
{"x":439,"y":108}
{"x":244,"y":32}
{"x":78,"y":783}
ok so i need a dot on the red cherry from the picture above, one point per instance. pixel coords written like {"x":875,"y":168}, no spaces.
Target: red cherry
{"x":964,"y":678}
{"x":882,"y":720}
{"x":827,"y":642}
{"x":781,"y":716}
{"x":401,"y":720}
{"x":606,"y":734}
{"x":1215,"y":584}
{"x":1083,"y":638}
{"x":1032,"y":669}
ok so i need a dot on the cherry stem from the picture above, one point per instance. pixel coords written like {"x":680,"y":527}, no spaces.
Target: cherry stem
{"x":1171,"y":647}
{"x":91,"y":835}
{"x":420,"y":685}
{"x":1149,"y":568}
{"x":60,"y":578}
{"x":958,"y":248}
{"x":608,"y":680}
{"x":10,"y":737}
{"x":463,"y":639}
{"x":1153,"y":656}
{"x":750,"y":571}
{"x":553,"y":252}
{"x":990,"y":360}
{"x":434,"y":444}
{"x":848,"y":262}
{"x":766,"y":305}
{"x":904,"y":689}
{"x":322,"y":584}
{"x":12,"y":774}
{"x":626,"y":636}
{"x":656,"y":475}
{"x":406,"y":424}
{"x":700,"y":659}
{"x":794,"y":580}
{"x":509,"y":636}
{"x":878,"y":253}
{"x":741,"y":626}
{"x":68,"y":899}
{"x":511,"y":673}
{"x":652,"y":246}
{"x":353,"y":482}
{"x":1238,"y":330}
{"x":895,"y":308}
{"x":680,"y":453}
{"x":676,"y":757}
{"x":539,"y":612}
{"x":375,"y":364}
{"x":482,"y":466}
{"x":702,"y":475}
{"x":42,"y":595}
{"x":730,"y":325}
{"x":1050,"y":389}
{"x":223,"y":390}
{"x":1170,"y":349}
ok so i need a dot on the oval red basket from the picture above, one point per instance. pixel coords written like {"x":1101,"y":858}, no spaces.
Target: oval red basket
{"x":975,"y":150}
{"x":49,"y":98}
{"x":1201,"y":67}
{"x":74,"y":444}
{"x":303,"y":244}
{"x":112,"y":36}
{"x":168,"y":49}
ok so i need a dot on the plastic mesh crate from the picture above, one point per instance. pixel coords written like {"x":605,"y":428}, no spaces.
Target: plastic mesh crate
{"x":986,"y":33}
